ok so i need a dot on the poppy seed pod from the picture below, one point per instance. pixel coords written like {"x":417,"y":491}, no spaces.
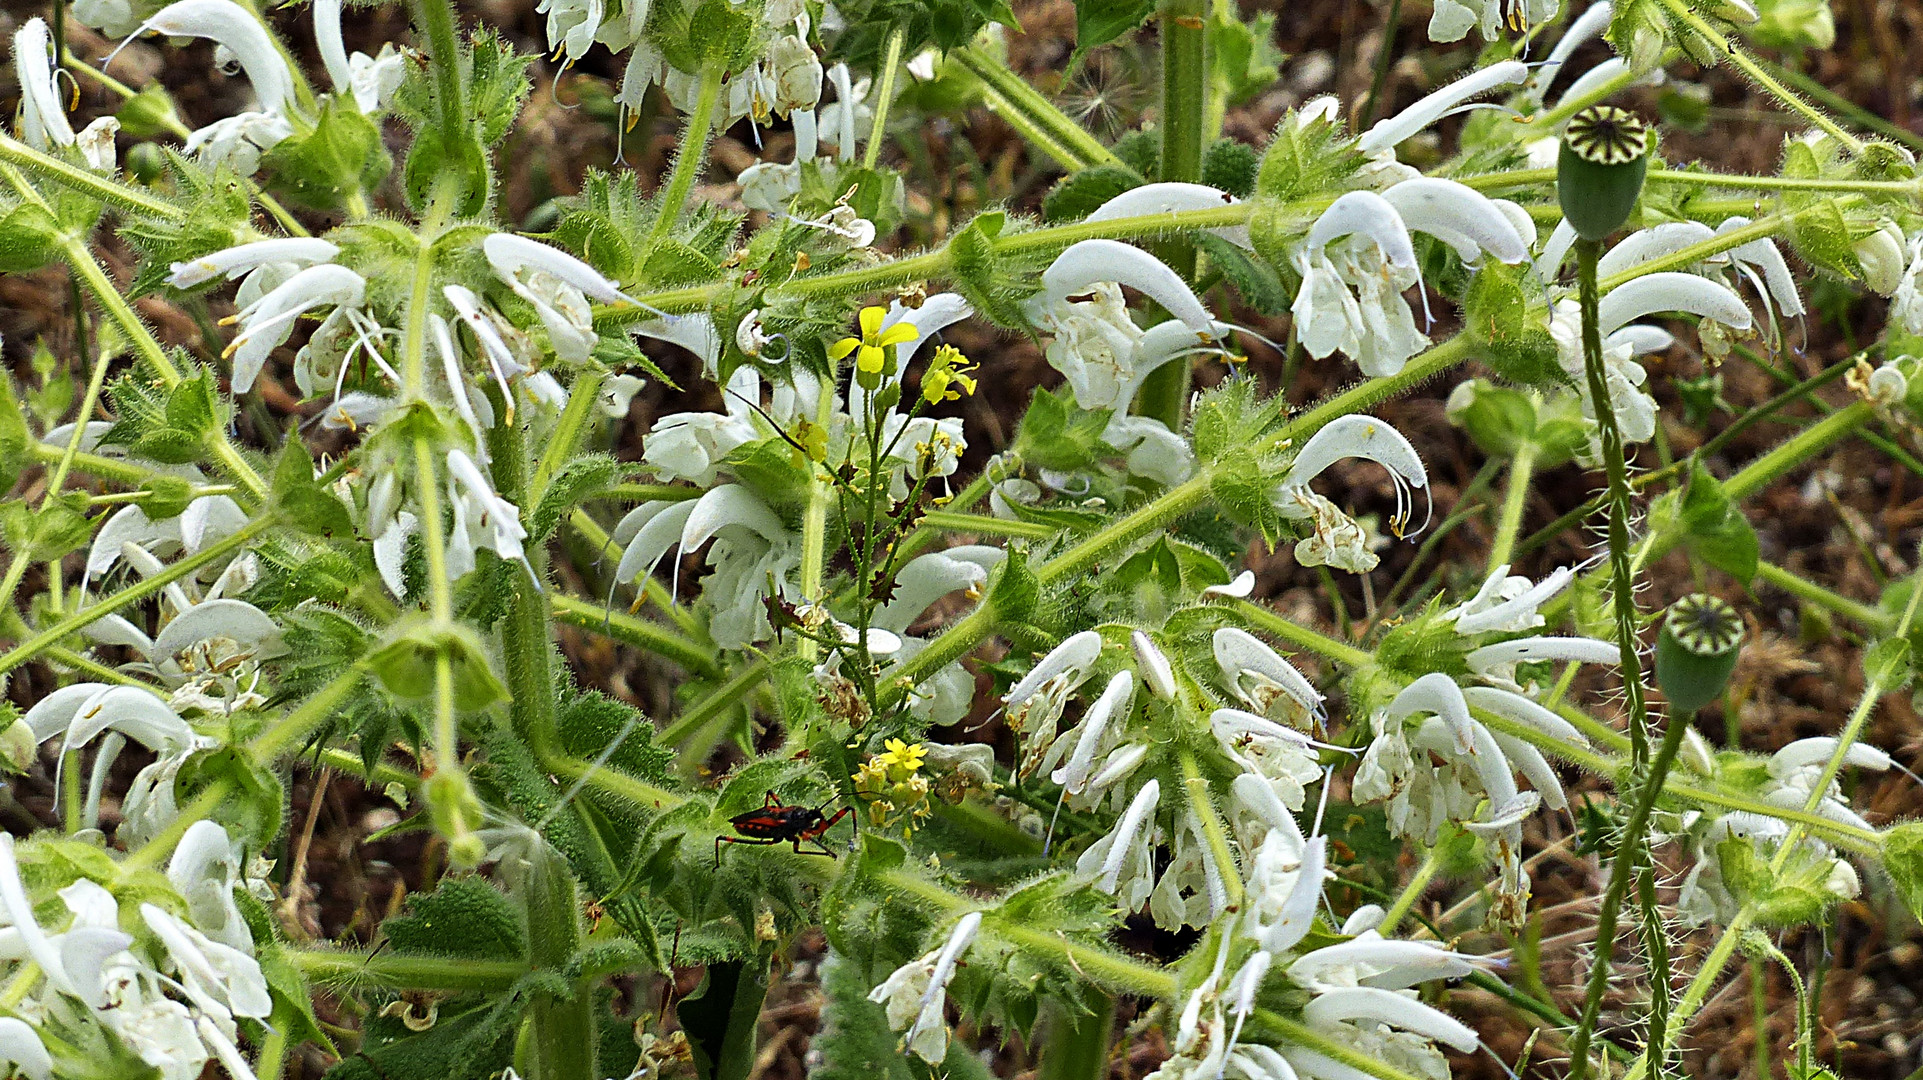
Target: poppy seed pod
{"x":1697,"y":650}
{"x":1599,"y":173}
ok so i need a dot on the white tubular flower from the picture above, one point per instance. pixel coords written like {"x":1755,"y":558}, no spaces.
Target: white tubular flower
{"x":751,"y":547}
{"x":1588,"y":27}
{"x":571,"y":25}
{"x":1046,"y":687}
{"x":1497,"y":663}
{"x":1122,"y":863}
{"x":1190,"y":892}
{"x":1239,"y":589}
{"x":1508,"y":604}
{"x":646,"y":533}
{"x":797,"y":74}
{"x":1153,"y":450}
{"x":1359,"y":243}
{"x":694,"y":445}
{"x":1285,"y":889}
{"x":1336,"y":539}
{"x":928,"y":578}
{"x":1451,"y":19}
{"x":1460,"y":216}
{"x":1094,"y":345}
{"x":1605,"y":72}
{"x":1169,"y":198}
{"x":1369,"y":959}
{"x":1092,"y":738}
{"x":1264,"y":681}
{"x":235,"y":28}
{"x":266,"y":323}
{"x":1670,"y":291}
{"x":220,"y":981}
{"x":371,"y":80}
{"x":230,"y":263}
{"x":915,"y":994}
{"x":1632,"y":405}
{"x":1906,"y":299}
{"x":1089,"y":262}
{"x":481,"y":517}
{"x":1283,"y":756}
{"x":1158,"y":675}
{"x":43,"y":122}
{"x":1390,"y":131}
{"x":238,"y":141}
{"x":21,"y":1049}
{"x":844,"y":121}
{"x":1655,"y":242}
{"x":557,"y":285}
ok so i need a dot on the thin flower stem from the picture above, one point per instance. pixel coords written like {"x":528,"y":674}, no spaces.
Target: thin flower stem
{"x":983,"y":525}
{"x":1025,"y":107}
{"x":1522,"y":465}
{"x":1869,"y":618}
{"x":717,"y":702}
{"x":433,"y":534}
{"x":1412,"y":892}
{"x":640,"y":633}
{"x":1203,"y":807}
{"x":332,"y":967}
{"x":1739,"y":57}
{"x":1266,"y":620}
{"x":884,"y":97}
{"x":583,"y":397}
{"x":15,"y":152}
{"x":689,"y":159}
{"x":814,"y":520}
{"x":1501,"y":181}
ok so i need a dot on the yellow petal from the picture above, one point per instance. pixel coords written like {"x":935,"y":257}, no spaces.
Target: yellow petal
{"x":871,"y":318}
{"x":870,"y":359}
{"x":843,"y":347}
{"x":898,"y":333}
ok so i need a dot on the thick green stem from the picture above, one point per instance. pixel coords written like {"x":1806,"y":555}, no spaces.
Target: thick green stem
{"x":15,"y":152}
{"x":1739,"y":57}
{"x":436,"y":21}
{"x":1075,"y":1043}
{"x":690,"y":158}
{"x":1411,"y":893}
{"x":1010,"y":95}
{"x":403,"y":972}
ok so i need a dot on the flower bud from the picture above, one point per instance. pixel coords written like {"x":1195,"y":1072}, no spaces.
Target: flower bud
{"x":1599,"y":172}
{"x":1696,"y":651}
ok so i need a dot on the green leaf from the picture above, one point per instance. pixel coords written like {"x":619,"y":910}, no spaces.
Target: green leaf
{"x":1496,"y":315}
{"x":577,"y":482}
{"x":464,"y":917}
{"x":1076,"y":195}
{"x":470,"y":1044}
{"x":303,"y":502}
{"x":672,"y":263}
{"x":1057,"y":435}
{"x":405,"y":665}
{"x":1243,"y":62}
{"x":1903,"y":858}
{"x":29,"y":239}
{"x":1258,"y":285}
{"x":342,"y":153}
{"x":1098,"y":22}
{"x":1715,"y":527}
{"x":1889,"y":663}
{"x":46,"y":532}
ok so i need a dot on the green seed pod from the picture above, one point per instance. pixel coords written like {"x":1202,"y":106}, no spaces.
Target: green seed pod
{"x":1599,"y":174}
{"x":1696,"y":651}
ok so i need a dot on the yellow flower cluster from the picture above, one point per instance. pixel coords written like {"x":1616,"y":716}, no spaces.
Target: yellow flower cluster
{"x":947,"y":377}
{"x":875,"y":349}
{"x":892,"y":787}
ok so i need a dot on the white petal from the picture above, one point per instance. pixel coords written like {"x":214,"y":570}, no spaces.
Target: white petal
{"x":1092,"y":261}
{"x":1449,"y":210}
{"x":1807,"y":752}
{"x":1170,"y":198}
{"x":1076,"y":655}
{"x":1512,"y":706}
{"x":1390,"y":131}
{"x":1238,"y":651}
{"x":54,"y":713}
{"x":1438,"y":694}
{"x":1671,"y":291}
{"x":508,"y":253}
{"x":926,"y":579}
{"x":1533,"y":649}
{"x":1367,"y":214}
{"x":1156,"y":671}
{"x":1239,"y":589}
{"x":1357,"y":436}
{"x":236,"y":619}
{"x":1298,"y":911}
{"x":22,"y":1049}
{"x":652,"y":540}
{"x":235,"y":27}
{"x":1389,"y":1007}
{"x":725,"y":506}
{"x":1655,"y":242}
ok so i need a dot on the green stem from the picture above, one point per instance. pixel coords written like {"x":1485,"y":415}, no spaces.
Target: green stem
{"x":720,"y":700}
{"x":1075,"y":1041}
{"x":85,"y":181}
{"x":1412,"y":892}
{"x":1011,"y":96}
{"x":1197,"y":788}
{"x":435,"y":19}
{"x":1514,"y":499}
{"x":1863,"y":615}
{"x":639,"y":633}
{"x":689,"y":159}
{"x":583,"y":398}
{"x":1687,"y":15}
{"x":982,"y":525}
{"x":884,"y":97}
{"x":1264,"y":619}
{"x":399,"y":971}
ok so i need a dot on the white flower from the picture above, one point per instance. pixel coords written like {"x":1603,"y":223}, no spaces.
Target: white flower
{"x":1586,"y":28}
{"x":845,"y":121}
{"x":236,"y":29}
{"x":21,"y":1049}
{"x":1880,"y":257}
{"x":1264,"y":681}
{"x":371,"y":80}
{"x":1335,"y":539}
{"x":482,"y":519}
{"x":571,"y":25}
{"x":693,"y":445}
{"x":1906,"y":299}
{"x":796,"y":72}
{"x":1451,"y":19}
{"x":113,"y":18}
{"x":751,"y":548}
{"x":238,"y":141}
{"x":292,"y":252}
{"x":1390,"y":131}
{"x":1122,"y":862}
{"x":266,"y":323}
{"x":1508,"y":604}
{"x":919,"y":990}
{"x":43,"y":122}
{"x":1035,"y":703}
{"x":1084,"y":264}
{"x":944,"y":697}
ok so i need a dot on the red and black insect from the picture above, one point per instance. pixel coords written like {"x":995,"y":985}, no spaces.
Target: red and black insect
{"x":776,"y":823}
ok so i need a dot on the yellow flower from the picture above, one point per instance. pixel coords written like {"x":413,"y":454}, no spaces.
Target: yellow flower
{"x":909,"y":758}
{"x":946,"y":370}
{"x":876,"y":345}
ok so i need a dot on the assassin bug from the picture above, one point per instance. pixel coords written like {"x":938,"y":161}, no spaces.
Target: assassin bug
{"x":777,"y":823}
